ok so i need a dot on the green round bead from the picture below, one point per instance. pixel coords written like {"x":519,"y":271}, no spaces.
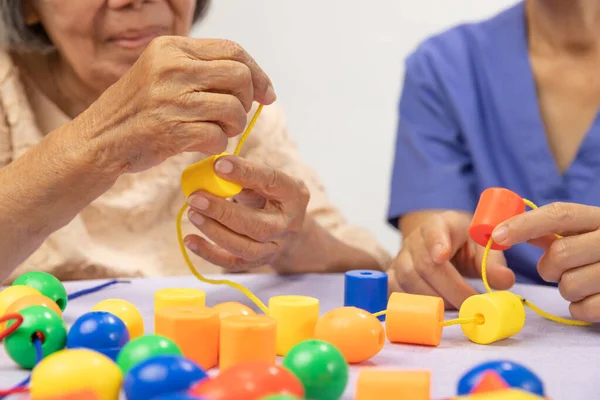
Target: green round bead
{"x":320,"y":367}
{"x":36,"y":319}
{"x":143,"y":348}
{"x":46,"y":284}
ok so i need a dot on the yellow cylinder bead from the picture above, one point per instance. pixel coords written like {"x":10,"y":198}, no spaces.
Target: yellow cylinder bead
{"x":179,"y":297}
{"x":296,"y":318}
{"x":12,"y":294}
{"x":202,"y":176}
{"x":502,"y":316}
{"x":76,"y":370}
{"x":125,"y":311}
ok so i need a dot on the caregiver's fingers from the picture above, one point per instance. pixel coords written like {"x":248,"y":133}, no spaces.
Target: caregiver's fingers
{"x":555,"y":218}
{"x":444,"y":234}
{"x":498,"y":274}
{"x":567,"y":253}
{"x":578,"y":283}
{"x":587,"y":310}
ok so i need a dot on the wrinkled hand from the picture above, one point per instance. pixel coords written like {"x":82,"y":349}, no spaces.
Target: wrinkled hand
{"x":437,"y":255}
{"x":260,"y":227}
{"x":573,"y":261}
{"x":182,"y":95}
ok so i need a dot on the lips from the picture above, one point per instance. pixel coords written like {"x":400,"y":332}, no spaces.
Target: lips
{"x":133,"y":39}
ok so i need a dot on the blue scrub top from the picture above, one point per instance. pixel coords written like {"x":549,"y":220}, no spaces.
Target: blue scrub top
{"x":469,"y":119}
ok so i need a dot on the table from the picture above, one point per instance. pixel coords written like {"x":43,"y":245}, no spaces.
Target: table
{"x":563,"y":357}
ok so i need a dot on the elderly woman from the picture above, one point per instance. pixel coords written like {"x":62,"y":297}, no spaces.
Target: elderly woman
{"x":513,"y":102}
{"x":103,"y":103}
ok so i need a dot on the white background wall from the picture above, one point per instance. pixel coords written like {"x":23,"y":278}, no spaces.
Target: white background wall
{"x":337,"y":68}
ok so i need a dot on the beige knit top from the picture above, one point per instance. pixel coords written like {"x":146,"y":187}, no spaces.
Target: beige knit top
{"x":130,"y":230}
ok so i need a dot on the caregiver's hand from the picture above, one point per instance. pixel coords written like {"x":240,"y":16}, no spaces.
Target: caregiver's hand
{"x":436,"y":256}
{"x":262,"y":226}
{"x":573,"y":261}
{"x":182,"y":95}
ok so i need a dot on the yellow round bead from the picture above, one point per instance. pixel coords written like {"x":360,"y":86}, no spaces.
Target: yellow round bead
{"x":126,"y":312}
{"x":76,"y":370}
{"x":503,"y":315}
{"x":202,"y":176}
{"x":12,"y":294}
{"x":296,"y":318}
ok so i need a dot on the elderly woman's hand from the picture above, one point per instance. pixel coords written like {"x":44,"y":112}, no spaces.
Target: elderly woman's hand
{"x":261,"y":227}
{"x":182,"y":95}
{"x":572,"y":261}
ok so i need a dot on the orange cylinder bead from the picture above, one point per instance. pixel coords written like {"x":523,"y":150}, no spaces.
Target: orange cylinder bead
{"x":356,"y":333}
{"x":31,"y":300}
{"x":195,"y":329}
{"x":384,"y":384}
{"x":495,"y":206}
{"x":414,"y":319}
{"x":231,"y":308}
{"x":247,"y":338}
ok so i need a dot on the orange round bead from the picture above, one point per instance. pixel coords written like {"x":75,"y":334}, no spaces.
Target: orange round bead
{"x":31,"y":300}
{"x":356,"y":333}
{"x":232,"y":308}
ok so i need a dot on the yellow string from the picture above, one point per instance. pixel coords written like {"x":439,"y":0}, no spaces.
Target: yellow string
{"x":457,"y":321}
{"x":526,"y":303}
{"x":380,"y":313}
{"x":183,"y":249}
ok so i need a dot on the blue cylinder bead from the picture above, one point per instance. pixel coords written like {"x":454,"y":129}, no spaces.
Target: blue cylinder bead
{"x":367,"y":290}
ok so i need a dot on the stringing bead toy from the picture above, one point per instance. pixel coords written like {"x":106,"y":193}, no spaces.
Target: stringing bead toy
{"x":100,"y":331}
{"x":126,"y":312}
{"x":12,"y":294}
{"x":33,"y":300}
{"x":250,"y":381}
{"x":178,"y":396}
{"x":489,"y":381}
{"x":502,"y":316}
{"x":230,"y":308}
{"x":195,"y":330}
{"x":202,"y":176}
{"x":161,"y":375}
{"x":38,"y":321}
{"x":46,"y":284}
{"x":247,"y":338}
{"x":367,"y":290}
{"x":515,"y":375}
{"x":179,"y":297}
{"x":75,"y":395}
{"x":382,"y":384}
{"x":320,"y":367}
{"x":509,"y":394}
{"x":496,"y":205}
{"x":73,"y":370}
{"x":143,"y":348}
{"x":414,"y":319}
{"x":281,"y":397}
{"x":296,"y":318}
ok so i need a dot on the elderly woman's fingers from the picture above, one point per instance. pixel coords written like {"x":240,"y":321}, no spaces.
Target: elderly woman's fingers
{"x":559,"y":218}
{"x":567,"y":253}
{"x":218,"y":256}
{"x":206,"y":137}
{"x":223,"y":109}
{"x":214,"y":50}
{"x":260,"y":225}
{"x":251,"y":199}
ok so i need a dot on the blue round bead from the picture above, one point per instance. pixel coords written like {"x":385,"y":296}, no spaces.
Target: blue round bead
{"x":161,"y":375}
{"x":515,"y":375}
{"x":367,"y":290}
{"x":100,"y":331}
{"x":178,"y":396}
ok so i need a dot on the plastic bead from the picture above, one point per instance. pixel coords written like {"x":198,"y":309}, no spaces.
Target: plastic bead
{"x":194,"y":329}
{"x":12,"y":294}
{"x":100,"y":331}
{"x":509,"y":394}
{"x":489,"y":381}
{"x":281,"y":397}
{"x":515,"y":375}
{"x":46,"y":284}
{"x":179,"y":396}
{"x":247,"y":338}
{"x":296,"y":318}
{"x":495,"y":206}
{"x":367,"y":290}
{"x":202,"y":176}
{"x":384,"y":384}
{"x":126,"y":312}
{"x":503,"y":316}
{"x":143,"y":348}
{"x":414,"y":319}
{"x":69,"y":371}
{"x":36,"y":319}
{"x":75,"y":395}
{"x":356,"y":333}
{"x":320,"y":367}
{"x":178,"y":297}
{"x":33,"y":300}
{"x":161,"y":375}
{"x":250,"y":381}
{"x":230,"y":308}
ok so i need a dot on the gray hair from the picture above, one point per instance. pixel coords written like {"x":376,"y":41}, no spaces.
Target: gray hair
{"x":16,"y":34}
